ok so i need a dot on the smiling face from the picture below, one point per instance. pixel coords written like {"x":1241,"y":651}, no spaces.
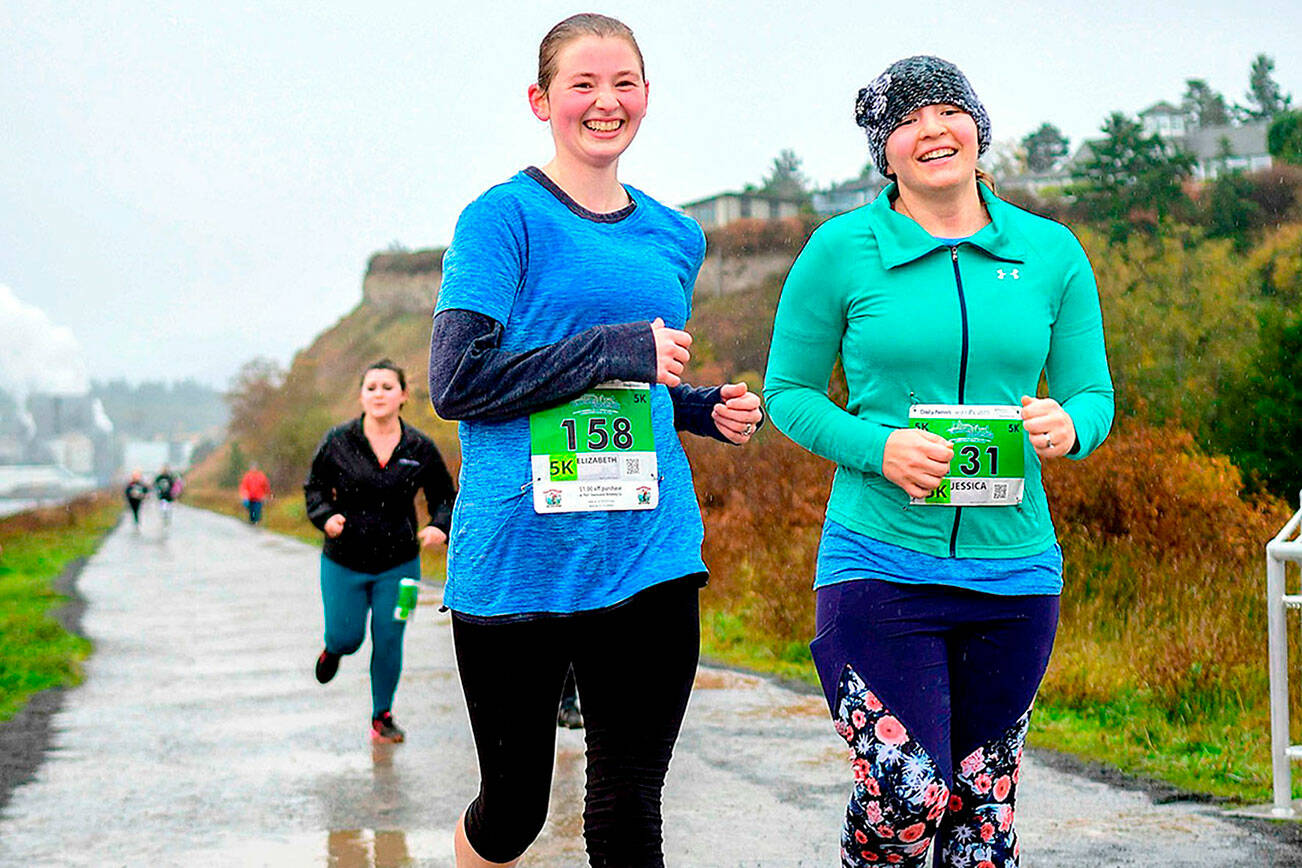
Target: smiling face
{"x":595,"y":101}
{"x":933,"y":149}
{"x":382,"y":394}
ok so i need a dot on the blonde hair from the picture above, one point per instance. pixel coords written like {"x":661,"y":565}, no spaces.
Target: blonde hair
{"x":583,"y":24}
{"x":986,"y":178}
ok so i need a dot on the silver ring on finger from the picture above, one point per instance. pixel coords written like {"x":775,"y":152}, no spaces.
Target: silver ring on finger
{"x":1048,"y":441}
{"x":749,"y":429}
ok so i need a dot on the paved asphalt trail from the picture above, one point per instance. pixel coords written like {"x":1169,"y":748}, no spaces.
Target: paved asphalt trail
{"x":200,"y":738}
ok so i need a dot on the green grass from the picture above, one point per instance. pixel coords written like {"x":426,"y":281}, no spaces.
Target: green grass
{"x":1225,"y":753}
{"x":725,"y":639}
{"x":35,"y":651}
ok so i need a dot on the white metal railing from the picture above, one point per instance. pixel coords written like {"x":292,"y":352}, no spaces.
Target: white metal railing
{"x":1286,"y":546}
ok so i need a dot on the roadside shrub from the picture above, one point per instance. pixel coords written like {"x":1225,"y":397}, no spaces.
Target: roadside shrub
{"x":1162,"y":592}
{"x":763,"y":509}
{"x":1154,"y":488}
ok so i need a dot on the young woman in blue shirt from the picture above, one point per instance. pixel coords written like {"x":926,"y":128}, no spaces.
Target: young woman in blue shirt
{"x":558,"y":280}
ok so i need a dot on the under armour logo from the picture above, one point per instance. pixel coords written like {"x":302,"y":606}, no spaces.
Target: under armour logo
{"x":1001,"y":274}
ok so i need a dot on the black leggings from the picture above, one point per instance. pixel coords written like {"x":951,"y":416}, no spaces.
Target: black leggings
{"x":634,"y":664}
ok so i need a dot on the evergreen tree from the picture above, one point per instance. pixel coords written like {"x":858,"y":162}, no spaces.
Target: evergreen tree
{"x":1204,"y":107}
{"x":1044,"y":147}
{"x":1130,"y":178}
{"x":1231,"y":211}
{"x":785,"y":178}
{"x":1259,"y":423}
{"x":1265,"y":97}
{"x":1284,"y":138}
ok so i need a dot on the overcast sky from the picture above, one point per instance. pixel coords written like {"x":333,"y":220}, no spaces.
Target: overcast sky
{"x":188,"y":185}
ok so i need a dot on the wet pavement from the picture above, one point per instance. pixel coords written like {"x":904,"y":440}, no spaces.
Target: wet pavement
{"x":201,"y":738}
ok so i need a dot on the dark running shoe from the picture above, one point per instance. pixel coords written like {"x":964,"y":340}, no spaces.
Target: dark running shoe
{"x":383,"y":729}
{"x":326,"y":666}
{"x":569,"y":716}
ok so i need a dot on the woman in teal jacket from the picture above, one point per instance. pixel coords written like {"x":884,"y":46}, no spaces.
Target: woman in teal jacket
{"x":938,"y":571}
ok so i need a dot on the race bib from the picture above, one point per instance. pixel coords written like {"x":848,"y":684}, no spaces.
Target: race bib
{"x":596,"y":452}
{"x":988,"y":464}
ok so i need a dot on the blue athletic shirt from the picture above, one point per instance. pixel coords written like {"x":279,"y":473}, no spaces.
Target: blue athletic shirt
{"x":531,"y":258}
{"x":845,"y":555}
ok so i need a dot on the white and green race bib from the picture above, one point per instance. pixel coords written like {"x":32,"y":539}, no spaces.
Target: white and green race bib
{"x":595,"y":452}
{"x":988,"y":464}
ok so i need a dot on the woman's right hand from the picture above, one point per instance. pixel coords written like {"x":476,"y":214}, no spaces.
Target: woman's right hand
{"x":916,"y":460}
{"x":671,"y":352}
{"x":334,"y":525}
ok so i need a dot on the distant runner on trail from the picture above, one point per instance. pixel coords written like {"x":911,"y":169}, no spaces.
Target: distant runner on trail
{"x":361,"y":493}
{"x":165,"y":488}
{"x":938,"y":570}
{"x":135,"y":493}
{"x":254,"y":489}
{"x":559,"y":344}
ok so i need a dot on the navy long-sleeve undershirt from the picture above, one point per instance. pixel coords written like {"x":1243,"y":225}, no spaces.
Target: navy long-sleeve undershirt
{"x":472,"y":377}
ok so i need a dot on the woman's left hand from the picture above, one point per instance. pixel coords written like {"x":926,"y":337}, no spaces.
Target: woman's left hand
{"x":1051,"y":430}
{"x":739,"y":414}
{"x":431,"y":536}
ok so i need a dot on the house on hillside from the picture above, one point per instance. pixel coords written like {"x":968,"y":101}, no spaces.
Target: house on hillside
{"x":1215,"y":150}
{"x":723,"y":208}
{"x":1163,"y":119}
{"x":839,"y":198}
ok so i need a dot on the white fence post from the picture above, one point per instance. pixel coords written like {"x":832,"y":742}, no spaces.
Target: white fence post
{"x":1278,"y":551}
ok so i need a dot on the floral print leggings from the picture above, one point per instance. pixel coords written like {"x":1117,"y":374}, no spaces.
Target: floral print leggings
{"x":931,"y":687}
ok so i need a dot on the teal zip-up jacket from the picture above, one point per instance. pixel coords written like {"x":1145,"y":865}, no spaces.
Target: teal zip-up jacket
{"x":916,"y":321}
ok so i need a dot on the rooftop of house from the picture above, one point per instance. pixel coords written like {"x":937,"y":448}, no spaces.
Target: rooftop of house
{"x":746,"y":194}
{"x":1161,"y":107}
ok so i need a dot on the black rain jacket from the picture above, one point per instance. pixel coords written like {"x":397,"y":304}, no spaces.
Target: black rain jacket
{"x":377,"y":503}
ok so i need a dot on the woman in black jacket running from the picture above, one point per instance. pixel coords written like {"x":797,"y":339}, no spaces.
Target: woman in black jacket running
{"x":361,"y":494}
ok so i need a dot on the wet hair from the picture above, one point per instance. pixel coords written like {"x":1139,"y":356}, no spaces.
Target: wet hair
{"x":385,"y":364}
{"x":583,"y":24}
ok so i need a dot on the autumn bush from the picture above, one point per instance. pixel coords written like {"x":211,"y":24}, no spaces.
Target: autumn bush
{"x":763,"y":511}
{"x":1163,"y":581}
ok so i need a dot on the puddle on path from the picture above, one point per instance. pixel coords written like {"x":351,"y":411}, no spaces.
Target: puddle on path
{"x":367,"y":848}
{"x":341,"y":848}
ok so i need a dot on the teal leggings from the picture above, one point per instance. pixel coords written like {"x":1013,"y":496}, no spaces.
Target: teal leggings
{"x":348,"y":595}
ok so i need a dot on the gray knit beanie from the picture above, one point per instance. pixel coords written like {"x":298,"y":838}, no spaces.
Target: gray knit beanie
{"x":906,"y":86}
